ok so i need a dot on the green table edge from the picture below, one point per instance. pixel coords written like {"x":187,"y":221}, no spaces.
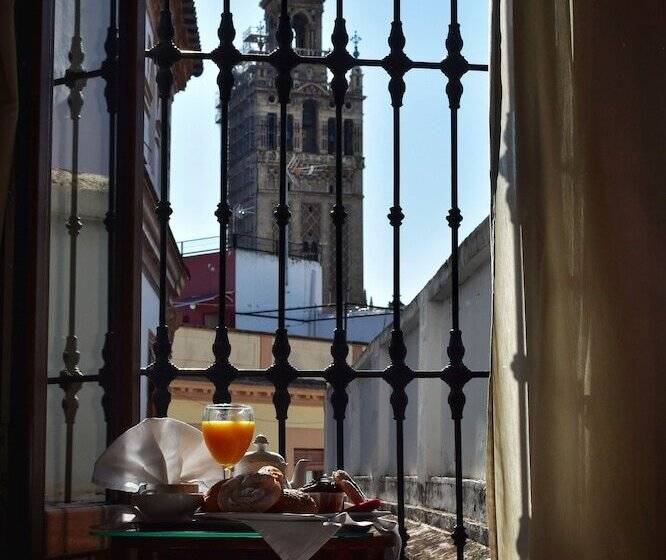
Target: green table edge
{"x":200,"y":534}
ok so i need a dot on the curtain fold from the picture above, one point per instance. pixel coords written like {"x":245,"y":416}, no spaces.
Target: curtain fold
{"x":576,"y":409}
{"x":8,"y":101}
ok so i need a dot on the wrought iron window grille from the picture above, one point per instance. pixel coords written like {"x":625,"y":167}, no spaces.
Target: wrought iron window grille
{"x":284,"y":58}
{"x":76,"y":78}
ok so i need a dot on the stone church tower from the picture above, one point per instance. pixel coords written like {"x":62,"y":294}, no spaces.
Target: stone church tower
{"x":254,"y":153}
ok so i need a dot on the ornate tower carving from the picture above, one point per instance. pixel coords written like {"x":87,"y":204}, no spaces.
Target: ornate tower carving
{"x":254,"y":144}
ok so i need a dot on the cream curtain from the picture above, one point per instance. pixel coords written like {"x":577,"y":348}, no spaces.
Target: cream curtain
{"x":8,"y":100}
{"x":576,"y":462}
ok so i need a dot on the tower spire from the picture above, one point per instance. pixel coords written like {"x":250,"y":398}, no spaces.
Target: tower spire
{"x":356,"y":39}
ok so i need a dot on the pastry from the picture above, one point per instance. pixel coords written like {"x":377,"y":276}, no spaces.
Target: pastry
{"x":294,"y":501}
{"x":210,"y":498}
{"x":276,"y":473}
{"x":327,"y":494}
{"x":346,"y":482}
{"x":252,"y":492}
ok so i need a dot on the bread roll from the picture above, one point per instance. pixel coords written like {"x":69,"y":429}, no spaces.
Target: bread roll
{"x":252,"y":492}
{"x":294,"y":501}
{"x":210,"y":504}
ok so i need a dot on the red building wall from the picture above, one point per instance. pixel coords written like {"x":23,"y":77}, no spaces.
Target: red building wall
{"x":199,"y":298}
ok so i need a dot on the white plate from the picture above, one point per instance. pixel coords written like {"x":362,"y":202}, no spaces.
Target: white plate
{"x":367,"y":515}
{"x":286,"y":517}
{"x":249,"y":516}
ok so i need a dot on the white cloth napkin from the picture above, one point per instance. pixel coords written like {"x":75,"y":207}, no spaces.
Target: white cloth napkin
{"x":156,"y":451}
{"x":300,"y":540}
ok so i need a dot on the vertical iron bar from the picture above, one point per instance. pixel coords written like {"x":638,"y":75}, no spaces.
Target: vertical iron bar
{"x":397,"y":220}
{"x":164,"y":204}
{"x":71,"y":354}
{"x":398,"y":349}
{"x":165,"y":54}
{"x":282,"y":258}
{"x":282,"y":239}
{"x":455,"y":224}
{"x":284,"y":59}
{"x":109,"y":69}
{"x":459,"y":534}
{"x":339,"y":374}
{"x":339,"y":224}
{"x":339,"y":215}
{"x":456,"y":373}
{"x":398,"y":375}
{"x":222,"y":373}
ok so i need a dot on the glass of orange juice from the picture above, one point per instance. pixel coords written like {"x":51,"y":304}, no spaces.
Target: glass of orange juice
{"x":227,"y":430}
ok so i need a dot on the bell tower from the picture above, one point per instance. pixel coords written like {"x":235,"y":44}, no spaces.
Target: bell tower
{"x":305,"y":20}
{"x":311,"y":140}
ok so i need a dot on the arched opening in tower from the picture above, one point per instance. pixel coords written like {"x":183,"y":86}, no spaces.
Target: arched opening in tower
{"x":310,"y":126}
{"x":300,"y":24}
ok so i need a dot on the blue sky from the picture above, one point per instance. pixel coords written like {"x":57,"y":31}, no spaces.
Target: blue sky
{"x":425,"y":142}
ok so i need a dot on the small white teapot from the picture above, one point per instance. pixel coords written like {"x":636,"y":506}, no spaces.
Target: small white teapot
{"x":252,"y":461}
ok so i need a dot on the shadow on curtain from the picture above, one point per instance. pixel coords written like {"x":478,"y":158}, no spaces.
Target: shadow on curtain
{"x":578,"y":133}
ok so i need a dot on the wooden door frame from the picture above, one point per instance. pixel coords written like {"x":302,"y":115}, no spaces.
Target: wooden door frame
{"x":26,"y":280}
{"x":126,"y":316}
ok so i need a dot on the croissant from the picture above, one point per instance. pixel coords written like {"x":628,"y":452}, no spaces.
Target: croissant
{"x":252,"y":492}
{"x":276,"y":473}
{"x":349,"y":486}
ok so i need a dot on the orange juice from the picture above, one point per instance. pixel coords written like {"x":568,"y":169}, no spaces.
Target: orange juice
{"x":227,"y":440}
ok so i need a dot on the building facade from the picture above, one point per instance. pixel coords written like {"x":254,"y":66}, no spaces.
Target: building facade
{"x":254,"y":133}
{"x":192,"y":348}
{"x":252,"y":292}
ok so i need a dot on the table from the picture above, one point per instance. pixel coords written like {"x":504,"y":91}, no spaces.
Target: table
{"x":241,"y":545}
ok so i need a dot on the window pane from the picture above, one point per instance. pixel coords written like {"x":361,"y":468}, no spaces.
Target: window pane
{"x":331,"y":135}
{"x":290,"y":132}
{"x":349,"y":137}
{"x":271,"y":125}
{"x":310,"y":127}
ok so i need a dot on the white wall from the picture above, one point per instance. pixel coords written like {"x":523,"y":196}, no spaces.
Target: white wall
{"x":362,"y":326}
{"x":369,"y":426}
{"x":90,"y":428}
{"x":256,"y":290}
{"x":93,"y":124}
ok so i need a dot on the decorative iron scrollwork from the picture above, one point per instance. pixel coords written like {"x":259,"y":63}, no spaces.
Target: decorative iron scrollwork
{"x":454,"y":66}
{"x":397,"y":63}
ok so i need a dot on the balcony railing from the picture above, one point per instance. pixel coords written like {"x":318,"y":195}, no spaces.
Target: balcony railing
{"x":204,"y":245}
